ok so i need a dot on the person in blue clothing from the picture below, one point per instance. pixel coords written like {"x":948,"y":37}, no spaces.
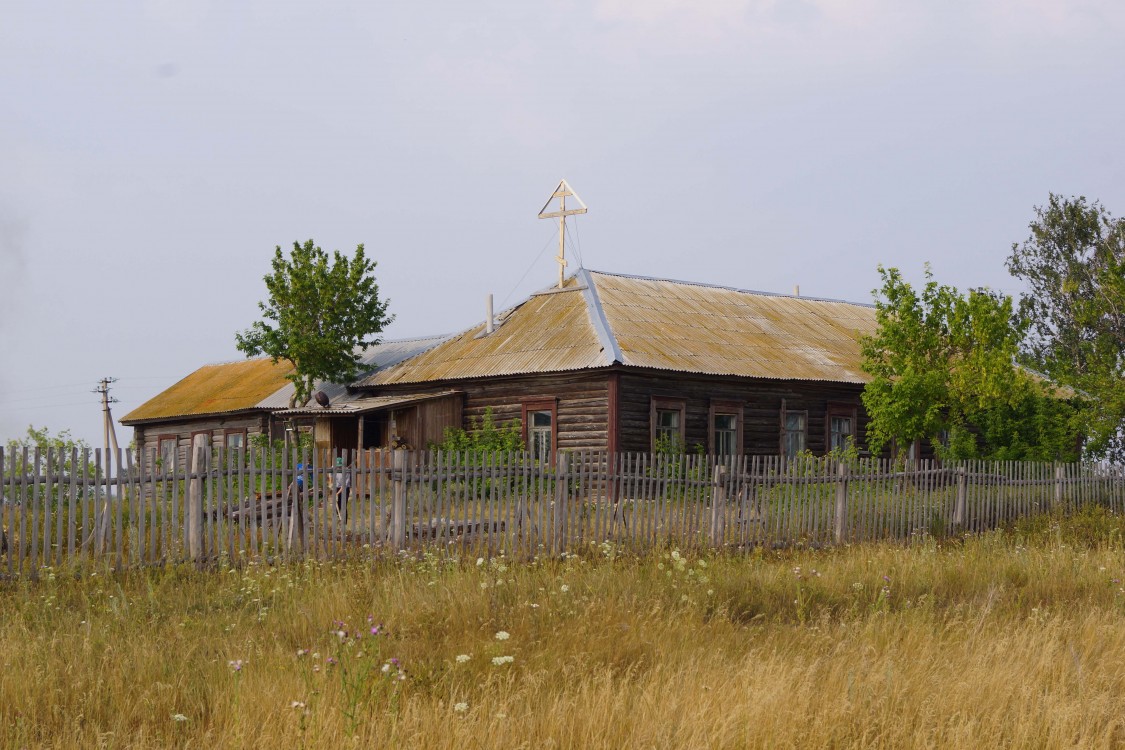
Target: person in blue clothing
{"x":342,"y":488}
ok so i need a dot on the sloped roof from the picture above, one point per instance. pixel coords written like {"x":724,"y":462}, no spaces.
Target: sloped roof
{"x":600,"y":319}
{"x":672,"y":325}
{"x":547,"y":333}
{"x":258,"y":384}
{"x":215,"y":389}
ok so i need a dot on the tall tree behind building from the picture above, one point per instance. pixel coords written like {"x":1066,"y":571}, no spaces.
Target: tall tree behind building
{"x":318,"y":317}
{"x":1074,"y":265}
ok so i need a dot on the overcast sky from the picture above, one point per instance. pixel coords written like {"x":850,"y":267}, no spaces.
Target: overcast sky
{"x":153,"y":154}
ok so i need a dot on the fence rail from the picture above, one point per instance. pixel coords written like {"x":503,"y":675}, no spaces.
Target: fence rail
{"x":85,"y":509}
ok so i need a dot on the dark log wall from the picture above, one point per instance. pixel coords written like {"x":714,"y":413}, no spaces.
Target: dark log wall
{"x":582,"y":401}
{"x":149,"y":435}
{"x":581,"y":398}
{"x":761,"y":401}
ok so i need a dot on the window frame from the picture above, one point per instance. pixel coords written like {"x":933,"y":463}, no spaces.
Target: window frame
{"x":172,"y":438}
{"x":530,"y":406}
{"x":666,"y":403}
{"x":783,"y":441}
{"x":235,"y":431}
{"x":842,"y":410}
{"x":727,"y":408}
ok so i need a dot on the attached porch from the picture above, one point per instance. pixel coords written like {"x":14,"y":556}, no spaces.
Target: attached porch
{"x":408,"y":421}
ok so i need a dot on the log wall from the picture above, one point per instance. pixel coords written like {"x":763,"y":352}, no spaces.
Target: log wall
{"x":761,"y":403}
{"x":254,"y":423}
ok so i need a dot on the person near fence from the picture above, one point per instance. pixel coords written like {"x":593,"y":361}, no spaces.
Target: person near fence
{"x":341,"y":480}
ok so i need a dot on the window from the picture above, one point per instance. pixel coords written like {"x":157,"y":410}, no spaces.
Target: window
{"x":793,"y":433}
{"x":840,"y":425}
{"x":726,"y":428}
{"x":668,"y":427}
{"x":840,"y":429}
{"x":235,"y":439}
{"x":666,"y":423}
{"x":541,"y":429}
{"x":168,"y":446}
{"x":539,"y":434}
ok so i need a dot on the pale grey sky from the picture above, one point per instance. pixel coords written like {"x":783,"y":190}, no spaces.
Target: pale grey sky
{"x":152,"y":154}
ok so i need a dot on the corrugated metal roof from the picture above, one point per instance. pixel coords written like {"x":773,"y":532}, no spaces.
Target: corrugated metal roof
{"x":215,"y":389}
{"x":259,"y":384}
{"x":374,"y":358}
{"x":547,"y":333}
{"x":362,"y":406}
{"x":660,"y":324}
{"x":674,"y":325}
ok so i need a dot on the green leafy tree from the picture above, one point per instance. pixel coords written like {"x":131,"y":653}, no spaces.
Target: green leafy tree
{"x":1074,"y":265}
{"x":320,"y":314}
{"x":943,"y":369}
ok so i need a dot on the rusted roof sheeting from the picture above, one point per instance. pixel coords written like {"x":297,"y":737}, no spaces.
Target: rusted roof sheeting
{"x":363,"y":405}
{"x":548,"y":333}
{"x":215,"y":389}
{"x":671,"y":325}
{"x":659,"y":324}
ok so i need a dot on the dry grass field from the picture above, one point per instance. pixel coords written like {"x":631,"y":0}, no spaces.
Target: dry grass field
{"x":1013,"y":639}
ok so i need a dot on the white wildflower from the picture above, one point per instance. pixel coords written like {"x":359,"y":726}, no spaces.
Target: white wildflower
{"x":502,"y":635}
{"x":461,"y":707}
{"x":462,"y":658}
{"x":179,"y":717}
{"x":500,"y":661}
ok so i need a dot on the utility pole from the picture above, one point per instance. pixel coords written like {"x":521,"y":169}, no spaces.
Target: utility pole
{"x":561,"y":192}
{"x":108,"y":434}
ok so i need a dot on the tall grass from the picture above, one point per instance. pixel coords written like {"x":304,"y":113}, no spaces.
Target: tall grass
{"x":1011,"y":639}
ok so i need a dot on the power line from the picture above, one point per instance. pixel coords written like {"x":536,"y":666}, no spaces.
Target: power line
{"x":525,"y":273}
{"x":577,"y":248}
{"x":81,"y":385}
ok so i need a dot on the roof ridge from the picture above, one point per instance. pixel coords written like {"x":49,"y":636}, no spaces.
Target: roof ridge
{"x":639,"y":277}
{"x":606,"y":336}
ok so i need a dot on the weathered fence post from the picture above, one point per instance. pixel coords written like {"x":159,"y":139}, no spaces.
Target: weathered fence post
{"x":4,"y":504}
{"x":398,"y":500}
{"x":962,"y":496}
{"x":718,"y":505}
{"x":562,"y":487}
{"x":1060,"y":476}
{"x":841,"y":502}
{"x":193,"y":515}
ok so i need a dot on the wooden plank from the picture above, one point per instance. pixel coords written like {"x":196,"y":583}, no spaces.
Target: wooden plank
{"x":7,"y":509}
{"x":25,"y":503}
{"x":155,"y":504}
{"x":193,"y":501}
{"x":52,"y":496}
{"x":36,"y":512}
{"x":131,"y":555}
{"x":177,"y":525}
{"x":59,"y":503}
{"x":118,"y":514}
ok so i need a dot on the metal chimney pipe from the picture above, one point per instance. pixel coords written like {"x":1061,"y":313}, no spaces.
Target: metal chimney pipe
{"x":488,"y":326}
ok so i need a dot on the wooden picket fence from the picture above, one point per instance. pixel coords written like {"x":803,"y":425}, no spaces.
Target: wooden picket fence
{"x":79,"y":510}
